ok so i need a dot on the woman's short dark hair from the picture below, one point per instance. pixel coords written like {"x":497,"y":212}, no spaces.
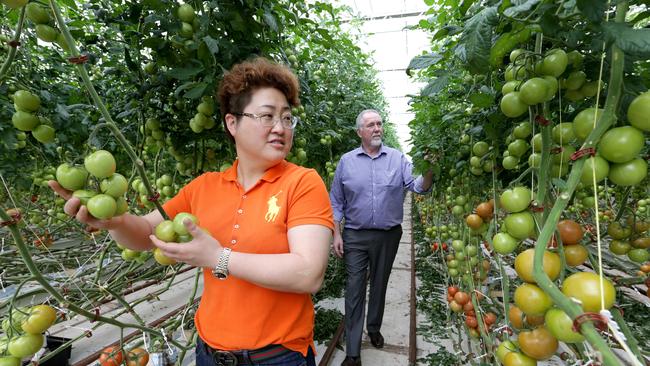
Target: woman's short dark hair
{"x":238,"y":84}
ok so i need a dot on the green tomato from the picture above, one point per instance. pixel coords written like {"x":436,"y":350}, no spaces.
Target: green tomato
{"x":621,"y":144}
{"x":520,"y":225}
{"x":504,"y":348}
{"x":534,"y":91}
{"x":512,"y":105}
{"x":71,"y":178}
{"x":40,"y":318}
{"x":165,"y":231}
{"x":179,"y":226}
{"x":46,"y":33}
{"x":638,"y":255}
{"x":516,"y":199}
{"x":590,"y":89}
{"x":586,"y":288}
{"x":518,"y":148}
{"x":575,"y":80}
{"x":10,"y":361}
{"x":561,"y":326}
{"x":619,"y":247}
{"x":564,"y":156}
{"x":24,"y":121}
{"x":26,"y":101}
{"x":122,"y":206}
{"x":100,"y":164}
{"x":130,"y":254}
{"x":638,"y":113}
{"x":510,"y":162}
{"x":504,"y":243}
{"x":186,"y":30}
{"x":480,"y":148}
{"x":595,"y":164}
{"x":25,"y":345}
{"x":186,"y":13}
{"x":551,"y":87}
{"x":532,"y":300}
{"x":584,"y":122}
{"x":628,"y":174}
{"x":554,"y":63}
{"x":84,"y":195}
{"x":37,"y":13}
{"x":510,"y":86}
{"x":563,"y":133}
{"x":115,"y":185}
{"x":522,"y":130}
{"x":537,"y":143}
{"x":535,"y":160}
{"x":206,"y":108}
{"x":43,"y":134}
{"x":102,"y":206}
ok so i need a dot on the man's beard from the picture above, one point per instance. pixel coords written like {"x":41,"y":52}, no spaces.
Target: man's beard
{"x":375,"y":142}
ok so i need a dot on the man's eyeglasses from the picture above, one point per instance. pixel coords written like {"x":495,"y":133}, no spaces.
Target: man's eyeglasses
{"x":268,"y":120}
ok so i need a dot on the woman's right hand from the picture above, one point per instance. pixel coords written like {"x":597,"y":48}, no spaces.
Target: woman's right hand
{"x":74,"y":208}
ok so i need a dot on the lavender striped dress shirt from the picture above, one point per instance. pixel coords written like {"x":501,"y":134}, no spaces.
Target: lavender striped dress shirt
{"x":369,"y":192}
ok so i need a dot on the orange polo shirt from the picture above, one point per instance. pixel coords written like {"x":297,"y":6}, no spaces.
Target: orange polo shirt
{"x":235,"y":314}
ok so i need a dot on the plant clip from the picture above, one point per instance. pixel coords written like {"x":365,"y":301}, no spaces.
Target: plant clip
{"x":557,"y":150}
{"x":77,"y":60}
{"x":88,"y":334}
{"x":600,"y":322}
{"x":541,"y":120}
{"x":13,"y":43}
{"x":536,"y":207}
{"x":15,"y":218}
{"x":154,"y":197}
{"x":96,"y":317}
{"x":584,"y":152}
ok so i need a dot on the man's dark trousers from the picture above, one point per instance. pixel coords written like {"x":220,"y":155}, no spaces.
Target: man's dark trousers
{"x":365,"y":250}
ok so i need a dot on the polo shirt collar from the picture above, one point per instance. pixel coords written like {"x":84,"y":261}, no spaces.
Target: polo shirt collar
{"x":270,"y":175}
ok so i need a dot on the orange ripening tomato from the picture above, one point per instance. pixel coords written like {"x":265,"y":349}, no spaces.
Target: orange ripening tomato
{"x":570,"y":232}
{"x":111,"y":356}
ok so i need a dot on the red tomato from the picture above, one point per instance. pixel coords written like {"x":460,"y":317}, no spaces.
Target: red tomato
{"x":570,"y":232}
{"x":111,"y":356}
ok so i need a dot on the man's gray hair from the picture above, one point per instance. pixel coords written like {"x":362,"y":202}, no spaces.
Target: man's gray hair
{"x":360,"y":116}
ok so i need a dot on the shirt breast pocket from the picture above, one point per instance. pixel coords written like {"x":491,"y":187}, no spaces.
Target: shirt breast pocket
{"x":390,"y":179}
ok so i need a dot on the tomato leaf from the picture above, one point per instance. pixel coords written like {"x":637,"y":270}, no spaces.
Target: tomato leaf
{"x":424,"y":61}
{"x":519,"y":9}
{"x":435,"y":86}
{"x":270,"y":20}
{"x":448,"y":30}
{"x":481,"y":100}
{"x":194,"y":90}
{"x":183,"y":73}
{"x":594,"y":10}
{"x":476,"y":40}
{"x":465,"y":6}
{"x":212,"y":44}
{"x":635,"y":42}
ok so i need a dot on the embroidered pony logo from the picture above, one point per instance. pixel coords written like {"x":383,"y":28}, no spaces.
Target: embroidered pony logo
{"x":274,"y":209}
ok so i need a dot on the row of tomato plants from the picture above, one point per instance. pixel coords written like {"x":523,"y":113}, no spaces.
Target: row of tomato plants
{"x":136,"y":107}
{"x":585,"y":176}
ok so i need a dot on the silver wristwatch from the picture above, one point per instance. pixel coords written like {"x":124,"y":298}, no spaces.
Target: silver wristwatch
{"x":220,"y":271}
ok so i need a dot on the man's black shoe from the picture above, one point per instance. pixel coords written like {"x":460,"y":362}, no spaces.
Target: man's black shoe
{"x":351,"y":361}
{"x":376,"y":339}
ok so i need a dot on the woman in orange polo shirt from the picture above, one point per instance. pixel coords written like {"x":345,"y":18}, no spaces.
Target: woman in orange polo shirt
{"x":269,"y":223}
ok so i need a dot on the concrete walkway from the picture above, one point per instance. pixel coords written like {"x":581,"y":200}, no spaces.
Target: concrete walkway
{"x":395,"y":328}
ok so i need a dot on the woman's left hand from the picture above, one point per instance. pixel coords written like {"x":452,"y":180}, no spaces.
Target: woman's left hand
{"x":202,"y":251}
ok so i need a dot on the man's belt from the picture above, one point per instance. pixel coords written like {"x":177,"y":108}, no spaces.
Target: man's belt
{"x":233,"y":358}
